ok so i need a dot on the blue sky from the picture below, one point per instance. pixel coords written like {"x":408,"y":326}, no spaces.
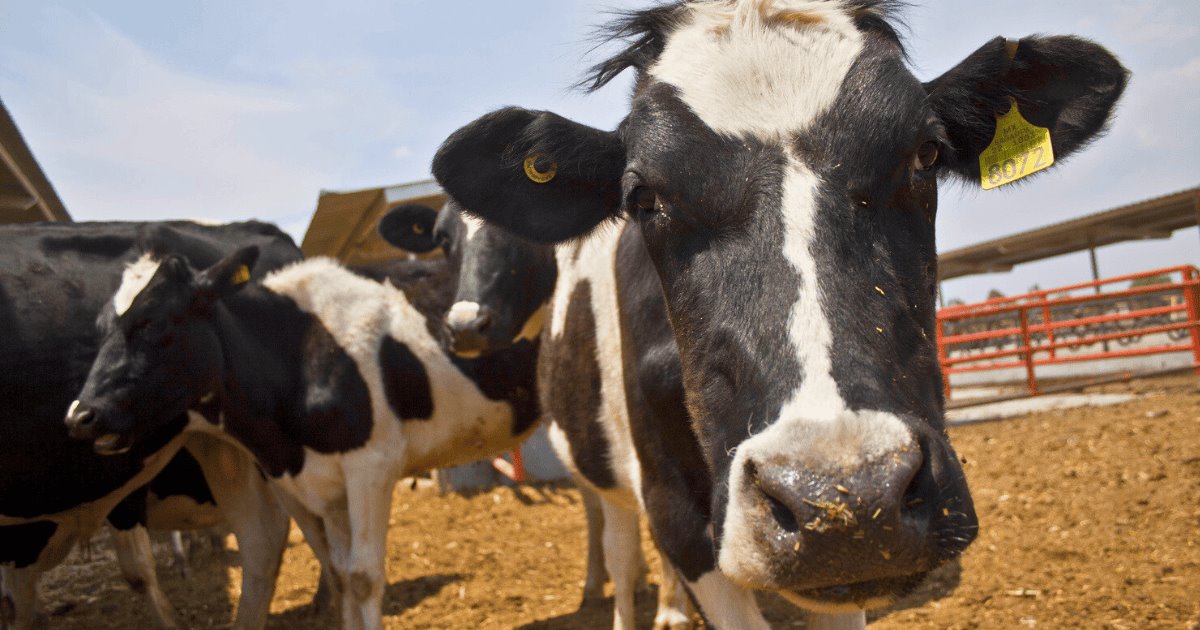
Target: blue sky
{"x":226,"y":110}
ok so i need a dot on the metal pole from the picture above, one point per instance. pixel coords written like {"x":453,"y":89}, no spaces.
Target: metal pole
{"x":1095,"y":275}
{"x":1030,"y":375}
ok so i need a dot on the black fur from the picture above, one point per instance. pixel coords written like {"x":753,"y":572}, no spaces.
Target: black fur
{"x":20,"y":545}
{"x":405,"y":380}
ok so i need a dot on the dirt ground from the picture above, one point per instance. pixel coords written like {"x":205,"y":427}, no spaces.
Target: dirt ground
{"x":1089,"y":518}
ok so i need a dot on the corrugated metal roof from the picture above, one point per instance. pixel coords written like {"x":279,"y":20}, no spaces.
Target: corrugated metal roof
{"x":343,"y":227}
{"x":1150,"y":219}
{"x":25,"y":193}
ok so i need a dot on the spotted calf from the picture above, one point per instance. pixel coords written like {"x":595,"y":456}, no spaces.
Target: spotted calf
{"x":337,"y":383}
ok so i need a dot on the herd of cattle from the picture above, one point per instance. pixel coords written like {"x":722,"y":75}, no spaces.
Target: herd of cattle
{"x":724,"y":310}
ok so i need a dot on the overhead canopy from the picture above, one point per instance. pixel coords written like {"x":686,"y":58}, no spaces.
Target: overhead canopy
{"x":343,"y":227}
{"x":1153,"y":218}
{"x":25,"y":193}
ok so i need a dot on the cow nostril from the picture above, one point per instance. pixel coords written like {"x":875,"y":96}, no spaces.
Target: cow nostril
{"x":483,"y":322}
{"x":914,"y":488}
{"x":783,"y":515}
{"x":85,"y":417}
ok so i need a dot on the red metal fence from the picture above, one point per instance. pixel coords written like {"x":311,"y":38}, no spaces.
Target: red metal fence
{"x":1053,"y":326}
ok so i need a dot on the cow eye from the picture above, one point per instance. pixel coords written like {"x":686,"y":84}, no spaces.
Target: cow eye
{"x":927,"y":156}
{"x":642,"y":199}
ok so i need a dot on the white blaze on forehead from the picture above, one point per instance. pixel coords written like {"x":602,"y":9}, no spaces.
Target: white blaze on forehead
{"x":133,"y":281}
{"x":808,"y":327}
{"x":760,"y":68}
{"x":462,"y":313}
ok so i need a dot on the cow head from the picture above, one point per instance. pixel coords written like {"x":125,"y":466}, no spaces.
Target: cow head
{"x":504,"y":280}
{"x":782,"y":165}
{"x":159,"y":352}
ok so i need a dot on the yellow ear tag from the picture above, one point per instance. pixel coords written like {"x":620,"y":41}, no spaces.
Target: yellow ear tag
{"x":536,"y":176}
{"x":241,"y":276}
{"x":1018,"y":150}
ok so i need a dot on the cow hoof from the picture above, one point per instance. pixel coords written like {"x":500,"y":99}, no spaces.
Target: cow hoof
{"x":672,"y":620}
{"x":592,"y":600}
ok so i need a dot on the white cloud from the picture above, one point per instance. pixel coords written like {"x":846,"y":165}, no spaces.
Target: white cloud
{"x":124,"y":134}
{"x":401,"y":152}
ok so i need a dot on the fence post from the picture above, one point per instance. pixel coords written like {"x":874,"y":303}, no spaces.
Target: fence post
{"x":1028,"y":348}
{"x":1191,"y":297}
{"x":1049,"y":330}
{"x":943,"y":355}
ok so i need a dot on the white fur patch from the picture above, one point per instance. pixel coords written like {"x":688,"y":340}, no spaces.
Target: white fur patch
{"x":745,"y":72}
{"x":473,"y":224}
{"x":133,"y":281}
{"x":808,"y":327}
{"x":726,"y":604}
{"x":462,"y":313}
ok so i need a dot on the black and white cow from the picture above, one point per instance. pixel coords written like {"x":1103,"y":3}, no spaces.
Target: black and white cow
{"x":762,"y":261}
{"x":54,"y":491}
{"x":337,"y":383}
{"x":504,"y":290}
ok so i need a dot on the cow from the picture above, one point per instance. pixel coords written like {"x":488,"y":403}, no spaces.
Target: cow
{"x":54,"y":491}
{"x":503,"y":290}
{"x":754,"y":244}
{"x":336,"y":382}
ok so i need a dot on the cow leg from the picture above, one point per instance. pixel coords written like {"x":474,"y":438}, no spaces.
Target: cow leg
{"x":257,"y":518}
{"x":20,"y":606}
{"x":328,"y":589}
{"x":370,"y":504}
{"x":136,"y":560}
{"x":337,"y":532}
{"x":674,"y":607}
{"x":845,"y":621}
{"x":180,"y":554}
{"x":622,"y":559}
{"x":593,"y":583}
{"x":726,"y":605}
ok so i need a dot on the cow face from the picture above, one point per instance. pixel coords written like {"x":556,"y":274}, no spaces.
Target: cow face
{"x":159,"y":352}
{"x":504,"y":280}
{"x":781,"y":163}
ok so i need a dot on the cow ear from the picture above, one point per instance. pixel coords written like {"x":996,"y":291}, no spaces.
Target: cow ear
{"x":227,"y":276}
{"x":410,"y":227}
{"x":1067,"y":85}
{"x":536,"y":174}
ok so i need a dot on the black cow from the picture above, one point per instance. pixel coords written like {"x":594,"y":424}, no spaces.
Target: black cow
{"x":336,"y":382}
{"x":54,"y":491}
{"x":759,"y":284}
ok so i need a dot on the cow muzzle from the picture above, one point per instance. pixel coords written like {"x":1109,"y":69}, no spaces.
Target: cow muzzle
{"x":83,"y":424}
{"x":467,"y":325}
{"x":850,"y":513}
